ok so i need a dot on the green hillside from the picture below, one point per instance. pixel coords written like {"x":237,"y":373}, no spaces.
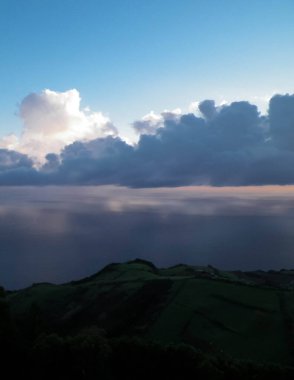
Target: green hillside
{"x":246,"y":316}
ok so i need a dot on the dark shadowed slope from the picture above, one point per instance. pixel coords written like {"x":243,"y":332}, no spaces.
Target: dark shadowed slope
{"x":245,"y":315}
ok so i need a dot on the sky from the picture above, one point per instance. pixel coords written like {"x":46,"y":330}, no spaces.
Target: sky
{"x":147,"y":93}
{"x":129,"y":57}
{"x":155,"y":128}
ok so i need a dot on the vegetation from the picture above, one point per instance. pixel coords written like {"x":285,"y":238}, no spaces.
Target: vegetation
{"x":134,"y":320}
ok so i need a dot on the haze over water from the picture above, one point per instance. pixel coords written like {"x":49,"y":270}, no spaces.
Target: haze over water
{"x":59,"y":234}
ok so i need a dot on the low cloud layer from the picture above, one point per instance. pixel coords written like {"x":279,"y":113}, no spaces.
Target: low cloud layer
{"x":227,"y":145}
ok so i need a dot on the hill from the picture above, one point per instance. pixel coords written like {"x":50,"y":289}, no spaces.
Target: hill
{"x":243,"y":315}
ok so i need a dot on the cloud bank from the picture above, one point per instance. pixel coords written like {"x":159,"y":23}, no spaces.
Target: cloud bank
{"x":228,"y":145}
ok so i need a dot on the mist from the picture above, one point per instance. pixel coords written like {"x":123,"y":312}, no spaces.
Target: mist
{"x":58,"y":234}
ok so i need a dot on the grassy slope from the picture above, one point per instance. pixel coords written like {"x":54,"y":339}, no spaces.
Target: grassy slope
{"x":204,"y":307}
{"x":244,"y":321}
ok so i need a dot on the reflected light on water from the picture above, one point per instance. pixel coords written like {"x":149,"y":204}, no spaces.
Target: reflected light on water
{"x":63,"y":233}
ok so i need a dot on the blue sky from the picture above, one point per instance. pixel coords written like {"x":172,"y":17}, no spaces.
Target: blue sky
{"x":127,"y":57}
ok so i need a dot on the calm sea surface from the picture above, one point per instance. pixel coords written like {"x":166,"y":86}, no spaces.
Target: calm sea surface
{"x":59,"y":234}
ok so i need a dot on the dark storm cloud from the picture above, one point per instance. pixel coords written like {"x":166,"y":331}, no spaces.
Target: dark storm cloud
{"x":10,"y":160}
{"x":101,"y":161}
{"x":17,"y":169}
{"x":281,"y":114}
{"x":208,"y":109}
{"x":230,"y":145}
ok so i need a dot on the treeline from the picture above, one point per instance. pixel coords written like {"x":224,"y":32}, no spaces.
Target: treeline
{"x":89,"y":354}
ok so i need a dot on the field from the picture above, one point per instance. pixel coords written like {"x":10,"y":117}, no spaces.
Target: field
{"x":217,"y":312}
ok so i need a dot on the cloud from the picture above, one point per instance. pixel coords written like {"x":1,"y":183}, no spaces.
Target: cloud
{"x":281,"y":114}
{"x":149,"y":123}
{"x":17,"y":169}
{"x":230,"y":145}
{"x":208,"y":109}
{"x":101,"y":161}
{"x":13,"y":160}
{"x":53,"y":120}
{"x":193,"y":106}
{"x":9,"y":142}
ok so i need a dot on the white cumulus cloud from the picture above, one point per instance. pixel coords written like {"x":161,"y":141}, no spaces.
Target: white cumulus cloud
{"x":52,"y":120}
